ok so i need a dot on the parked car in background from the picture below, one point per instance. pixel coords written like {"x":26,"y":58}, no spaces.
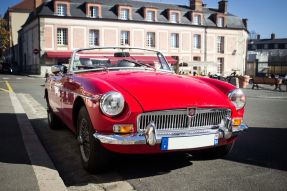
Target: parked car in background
{"x":129,"y":101}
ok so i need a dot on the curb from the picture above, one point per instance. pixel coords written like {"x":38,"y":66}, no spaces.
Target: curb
{"x":47,"y":176}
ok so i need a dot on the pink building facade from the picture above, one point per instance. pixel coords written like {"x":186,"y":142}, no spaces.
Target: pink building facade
{"x":205,"y":39}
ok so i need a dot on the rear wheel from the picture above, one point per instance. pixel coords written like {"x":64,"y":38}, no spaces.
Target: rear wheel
{"x":94,"y":157}
{"x":54,"y":122}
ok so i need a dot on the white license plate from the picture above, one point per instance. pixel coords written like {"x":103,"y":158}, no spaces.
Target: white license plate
{"x":175,"y":143}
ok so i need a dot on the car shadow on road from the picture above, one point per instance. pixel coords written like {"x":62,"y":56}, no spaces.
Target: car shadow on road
{"x":265,"y":147}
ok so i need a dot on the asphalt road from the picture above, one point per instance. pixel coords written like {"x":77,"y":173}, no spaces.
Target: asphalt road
{"x":257,"y":162}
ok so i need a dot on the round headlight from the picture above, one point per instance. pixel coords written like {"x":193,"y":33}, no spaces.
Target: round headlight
{"x":237,"y":97}
{"x":112,"y":103}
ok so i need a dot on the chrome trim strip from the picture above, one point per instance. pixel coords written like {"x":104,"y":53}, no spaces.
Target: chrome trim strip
{"x":242,"y":127}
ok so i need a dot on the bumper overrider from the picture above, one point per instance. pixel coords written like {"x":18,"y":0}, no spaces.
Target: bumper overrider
{"x":151,"y":136}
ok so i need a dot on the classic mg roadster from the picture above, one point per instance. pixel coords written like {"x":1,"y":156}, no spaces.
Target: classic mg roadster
{"x":129,"y":101}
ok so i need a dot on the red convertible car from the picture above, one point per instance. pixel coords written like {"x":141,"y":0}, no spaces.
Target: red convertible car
{"x":129,"y":100}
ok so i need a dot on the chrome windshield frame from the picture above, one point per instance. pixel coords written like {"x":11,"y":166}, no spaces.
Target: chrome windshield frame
{"x":71,"y":64}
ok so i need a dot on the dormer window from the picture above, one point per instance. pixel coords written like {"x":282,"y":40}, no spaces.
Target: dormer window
{"x":94,"y":11}
{"x":220,"y":21}
{"x":174,"y":17}
{"x":124,"y":14}
{"x":197,"y":20}
{"x":150,"y":15}
{"x":61,"y":9}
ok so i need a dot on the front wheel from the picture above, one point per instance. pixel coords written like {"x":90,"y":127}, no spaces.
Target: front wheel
{"x":94,"y":157}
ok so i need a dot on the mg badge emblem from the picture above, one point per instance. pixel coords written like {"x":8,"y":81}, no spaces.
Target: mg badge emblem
{"x":191,"y":112}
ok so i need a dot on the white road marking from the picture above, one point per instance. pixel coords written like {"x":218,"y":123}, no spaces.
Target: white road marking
{"x":5,"y":78}
{"x":19,"y":78}
{"x":44,"y":169}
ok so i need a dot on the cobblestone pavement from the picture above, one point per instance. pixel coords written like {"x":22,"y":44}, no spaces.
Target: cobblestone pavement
{"x":266,"y":91}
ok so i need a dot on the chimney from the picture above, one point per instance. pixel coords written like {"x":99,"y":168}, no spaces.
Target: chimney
{"x":245,"y":22}
{"x":258,"y":37}
{"x":37,"y":3}
{"x":272,"y":36}
{"x":222,"y":6}
{"x":196,"y":5}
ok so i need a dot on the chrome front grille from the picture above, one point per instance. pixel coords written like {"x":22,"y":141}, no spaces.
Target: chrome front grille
{"x":179,"y":119}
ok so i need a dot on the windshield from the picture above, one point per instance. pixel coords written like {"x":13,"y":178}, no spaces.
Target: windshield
{"x":94,"y":59}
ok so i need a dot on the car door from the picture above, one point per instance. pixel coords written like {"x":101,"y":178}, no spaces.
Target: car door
{"x":68,"y":96}
{"x":54,"y":93}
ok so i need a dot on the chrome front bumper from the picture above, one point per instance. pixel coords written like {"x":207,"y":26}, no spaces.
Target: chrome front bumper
{"x":140,"y":138}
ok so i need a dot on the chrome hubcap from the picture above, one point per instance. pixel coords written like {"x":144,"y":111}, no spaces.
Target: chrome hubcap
{"x":84,"y":140}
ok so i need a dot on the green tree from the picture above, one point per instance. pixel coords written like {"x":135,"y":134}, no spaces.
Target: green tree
{"x":4,"y":36}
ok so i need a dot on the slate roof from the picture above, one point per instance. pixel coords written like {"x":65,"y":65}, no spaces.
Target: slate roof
{"x":269,"y":41}
{"x":109,"y":12}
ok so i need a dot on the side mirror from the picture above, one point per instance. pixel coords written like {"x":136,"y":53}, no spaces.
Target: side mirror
{"x":56,"y":69}
{"x":59,"y":68}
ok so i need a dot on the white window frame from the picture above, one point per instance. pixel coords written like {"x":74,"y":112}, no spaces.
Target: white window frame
{"x":174,"y":17}
{"x":150,"y":39}
{"x":94,"y":11}
{"x":197,"y":41}
{"x":220,"y":21}
{"x":62,"y":36}
{"x":94,"y":37}
{"x":150,"y":15}
{"x":174,"y":40}
{"x":62,"y":9}
{"x":124,"y":14}
{"x":220,"y":44}
{"x":197,"y":20}
{"x":125,"y":38}
{"x":220,"y":66}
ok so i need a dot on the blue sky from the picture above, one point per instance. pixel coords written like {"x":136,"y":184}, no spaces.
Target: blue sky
{"x":264,"y":16}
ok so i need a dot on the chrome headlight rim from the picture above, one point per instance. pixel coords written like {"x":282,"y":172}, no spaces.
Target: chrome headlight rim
{"x":238,"y":93}
{"x":107,"y":96}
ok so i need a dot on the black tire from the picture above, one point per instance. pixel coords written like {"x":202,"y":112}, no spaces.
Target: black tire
{"x":94,"y":157}
{"x":54,"y":121}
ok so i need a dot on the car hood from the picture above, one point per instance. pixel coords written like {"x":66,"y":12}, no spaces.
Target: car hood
{"x":163,"y":91}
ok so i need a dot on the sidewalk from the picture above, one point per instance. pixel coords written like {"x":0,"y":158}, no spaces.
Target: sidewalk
{"x":24,"y":163}
{"x":265,"y":91}
{"x":15,"y":166}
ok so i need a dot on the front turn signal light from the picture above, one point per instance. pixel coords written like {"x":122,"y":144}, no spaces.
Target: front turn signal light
{"x":123,"y":128}
{"x":236,"y":121}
